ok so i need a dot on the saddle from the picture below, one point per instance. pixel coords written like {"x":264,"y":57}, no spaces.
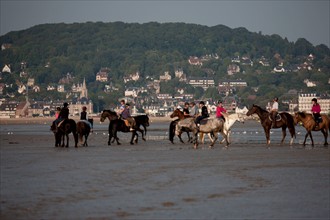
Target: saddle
{"x":277,"y":118}
{"x":59,"y":124}
{"x":126,"y":122}
{"x":204,"y":121}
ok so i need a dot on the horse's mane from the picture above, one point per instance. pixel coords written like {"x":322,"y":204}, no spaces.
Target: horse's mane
{"x":302,"y":114}
{"x":261,"y":109}
{"x":109,"y":111}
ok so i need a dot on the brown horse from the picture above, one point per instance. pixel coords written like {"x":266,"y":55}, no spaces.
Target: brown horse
{"x":286,"y":121}
{"x":83,"y":130}
{"x":177,"y":113}
{"x":310,"y":125}
{"x":116,"y":125}
{"x":65,"y":127}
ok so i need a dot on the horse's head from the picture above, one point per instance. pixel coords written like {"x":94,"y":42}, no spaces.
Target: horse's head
{"x":147,"y":121}
{"x":240,"y":117}
{"x":298,"y":117}
{"x":176,"y":113}
{"x":111,"y":115}
{"x":252,"y":110}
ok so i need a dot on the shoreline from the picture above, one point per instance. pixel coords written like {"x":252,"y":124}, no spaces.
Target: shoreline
{"x":49,"y":120}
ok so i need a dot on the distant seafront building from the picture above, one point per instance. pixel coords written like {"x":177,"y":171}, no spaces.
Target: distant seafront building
{"x":305,"y":102}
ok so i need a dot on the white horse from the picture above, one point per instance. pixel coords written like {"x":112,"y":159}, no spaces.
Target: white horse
{"x":230,"y":120}
{"x":208,"y":125}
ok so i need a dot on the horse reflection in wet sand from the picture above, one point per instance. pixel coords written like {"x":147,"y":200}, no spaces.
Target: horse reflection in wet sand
{"x":209,"y":125}
{"x":310,"y":125}
{"x":285,"y":122}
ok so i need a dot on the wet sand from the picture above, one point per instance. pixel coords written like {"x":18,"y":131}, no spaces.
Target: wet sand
{"x":159,"y":180}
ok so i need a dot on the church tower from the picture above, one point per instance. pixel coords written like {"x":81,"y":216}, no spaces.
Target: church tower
{"x":84,"y":92}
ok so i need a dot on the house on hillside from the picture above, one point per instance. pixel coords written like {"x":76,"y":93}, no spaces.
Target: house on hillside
{"x":102,"y":75}
{"x":204,"y":82}
{"x":166,"y":77}
{"x":195,"y":61}
{"x":232,"y":69}
{"x":8,"y":109}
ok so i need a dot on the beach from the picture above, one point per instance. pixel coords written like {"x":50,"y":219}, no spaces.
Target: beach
{"x":155,"y":179}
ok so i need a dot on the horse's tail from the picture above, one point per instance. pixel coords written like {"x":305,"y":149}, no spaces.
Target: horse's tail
{"x":172,"y":130}
{"x":291,"y":124}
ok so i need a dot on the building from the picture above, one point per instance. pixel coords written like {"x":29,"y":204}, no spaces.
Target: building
{"x":305,"y":103}
{"x":203,"y":82}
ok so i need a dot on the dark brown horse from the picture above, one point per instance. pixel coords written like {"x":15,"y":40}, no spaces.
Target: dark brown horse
{"x":310,"y":125}
{"x":116,"y":125}
{"x":286,"y":121}
{"x":83,"y":130}
{"x":65,"y":127}
{"x":177,"y":113}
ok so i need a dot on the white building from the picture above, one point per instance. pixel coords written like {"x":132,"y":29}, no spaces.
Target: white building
{"x":305,"y":103}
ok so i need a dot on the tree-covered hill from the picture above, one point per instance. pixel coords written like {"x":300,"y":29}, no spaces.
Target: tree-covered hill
{"x":152,"y":48}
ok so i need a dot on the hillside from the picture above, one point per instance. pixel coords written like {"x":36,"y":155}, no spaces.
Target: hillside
{"x":50,"y":51}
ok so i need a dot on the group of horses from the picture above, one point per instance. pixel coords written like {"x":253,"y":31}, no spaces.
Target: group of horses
{"x":210,"y":126}
{"x":80,"y":130}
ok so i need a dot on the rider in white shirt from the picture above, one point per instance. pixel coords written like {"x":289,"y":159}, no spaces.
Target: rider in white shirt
{"x":274,"y":111}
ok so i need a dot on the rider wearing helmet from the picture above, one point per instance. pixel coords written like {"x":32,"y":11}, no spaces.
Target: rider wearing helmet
{"x":204,"y":113}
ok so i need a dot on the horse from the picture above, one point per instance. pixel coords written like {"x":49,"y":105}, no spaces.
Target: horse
{"x":230,"y":120}
{"x":83,"y":130}
{"x":286,"y":121}
{"x":208,"y":125}
{"x":310,"y":125}
{"x":63,"y":130}
{"x":116,"y":125}
{"x":142,"y":120}
{"x":177,"y":113}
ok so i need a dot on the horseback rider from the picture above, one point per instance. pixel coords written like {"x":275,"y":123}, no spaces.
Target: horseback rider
{"x":64,"y":114}
{"x":204,"y":113}
{"x":84,"y":117}
{"x":220,"y":109}
{"x":126,"y":115}
{"x":193,"y":109}
{"x":274,"y":111}
{"x":316,"y":110}
{"x":186,"y":109}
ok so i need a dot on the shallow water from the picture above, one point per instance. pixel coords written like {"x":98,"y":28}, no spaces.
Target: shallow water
{"x":248,"y":132}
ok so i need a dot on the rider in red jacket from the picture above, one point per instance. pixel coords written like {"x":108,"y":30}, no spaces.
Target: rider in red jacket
{"x":316,"y":109}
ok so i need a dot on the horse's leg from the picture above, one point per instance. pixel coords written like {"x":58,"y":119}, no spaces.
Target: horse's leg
{"x":145,"y":129}
{"x":325,"y":134}
{"x":133,"y":135}
{"x":142,"y":133}
{"x":215,"y":138}
{"x":67,"y":140}
{"x":63,"y":140}
{"x":283,"y":134}
{"x":267,"y":133}
{"x":189,"y":138}
{"x":195,"y":140}
{"x":225,"y":136}
{"x":292,"y":131}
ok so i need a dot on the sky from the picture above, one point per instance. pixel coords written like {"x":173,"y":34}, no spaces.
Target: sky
{"x":291,"y":19}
